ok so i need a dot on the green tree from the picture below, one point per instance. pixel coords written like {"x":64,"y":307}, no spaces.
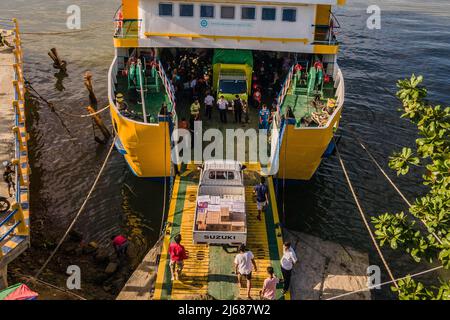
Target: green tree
{"x":432,"y":156}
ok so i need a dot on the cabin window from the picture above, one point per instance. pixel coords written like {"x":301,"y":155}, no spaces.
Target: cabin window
{"x":269,"y":14}
{"x":289,"y":15}
{"x":248,"y":13}
{"x":186,"y":10}
{"x":166,"y":9}
{"x":206,"y":11}
{"x":227,"y":12}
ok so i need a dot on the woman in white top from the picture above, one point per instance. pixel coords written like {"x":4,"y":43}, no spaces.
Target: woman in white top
{"x":287,"y":263}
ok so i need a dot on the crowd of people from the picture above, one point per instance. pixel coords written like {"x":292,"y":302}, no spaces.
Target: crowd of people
{"x":190,"y":72}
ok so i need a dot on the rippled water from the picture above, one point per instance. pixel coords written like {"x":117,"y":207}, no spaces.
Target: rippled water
{"x":414,"y":38}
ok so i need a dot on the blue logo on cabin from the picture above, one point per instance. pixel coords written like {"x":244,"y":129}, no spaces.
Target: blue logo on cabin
{"x":204,"y":23}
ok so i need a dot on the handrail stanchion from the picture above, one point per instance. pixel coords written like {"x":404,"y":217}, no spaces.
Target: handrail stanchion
{"x":17,"y":110}
{"x":18,"y":91}
{"x":22,"y":227}
{"x":18,"y":72}
{"x":19,"y":172}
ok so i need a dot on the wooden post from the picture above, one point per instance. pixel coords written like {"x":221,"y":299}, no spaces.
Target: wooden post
{"x":88,"y":84}
{"x":57,"y":62}
{"x":99,"y":122}
{"x":22,"y":228}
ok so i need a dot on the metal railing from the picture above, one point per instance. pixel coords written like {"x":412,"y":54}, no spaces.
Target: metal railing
{"x":16,"y":214}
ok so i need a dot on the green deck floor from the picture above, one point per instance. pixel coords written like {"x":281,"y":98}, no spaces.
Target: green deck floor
{"x":301,"y":103}
{"x":153,"y":100}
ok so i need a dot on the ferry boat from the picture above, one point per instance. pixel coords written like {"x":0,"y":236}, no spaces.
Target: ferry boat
{"x":300,"y":31}
{"x":281,"y":53}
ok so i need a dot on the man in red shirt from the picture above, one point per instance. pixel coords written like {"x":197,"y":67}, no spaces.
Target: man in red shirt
{"x":120,"y":244}
{"x":177,"y":256}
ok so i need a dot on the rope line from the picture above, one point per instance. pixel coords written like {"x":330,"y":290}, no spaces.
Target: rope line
{"x":392,"y":183}
{"x":30,"y":278}
{"x":51,"y":105}
{"x":364,"y":218}
{"x":79,"y":211}
{"x":85,"y":115}
{"x":55,"y":33}
{"x":385,"y":283}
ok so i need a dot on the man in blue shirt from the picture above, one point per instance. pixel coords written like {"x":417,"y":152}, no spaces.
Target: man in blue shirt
{"x":264,"y":115}
{"x":262,"y":196}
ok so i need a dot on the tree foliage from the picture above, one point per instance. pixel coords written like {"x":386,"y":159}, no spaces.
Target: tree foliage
{"x":432,"y":156}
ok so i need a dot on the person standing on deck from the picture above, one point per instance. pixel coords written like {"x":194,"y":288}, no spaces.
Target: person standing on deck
{"x":222,"y":104}
{"x":243,"y":267}
{"x":237,"y":105}
{"x":264,"y":115}
{"x":262,"y":196}
{"x":195,"y":110}
{"x":177,"y":256}
{"x":209,"y":101}
{"x":319,"y":70}
{"x":257,"y":98}
{"x":287,"y":263}
{"x":245,"y":111}
{"x":270,"y":286}
{"x":120,"y":244}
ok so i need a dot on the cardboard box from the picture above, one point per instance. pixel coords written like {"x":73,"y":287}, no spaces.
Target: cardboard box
{"x":224,"y":214}
{"x":213,"y":217}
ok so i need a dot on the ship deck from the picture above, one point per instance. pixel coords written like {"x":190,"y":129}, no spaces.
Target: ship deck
{"x":208,"y":270}
{"x":153,"y":99}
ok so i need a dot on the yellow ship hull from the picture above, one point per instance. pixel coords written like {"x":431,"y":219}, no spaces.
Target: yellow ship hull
{"x":145,"y":146}
{"x":302,"y":149}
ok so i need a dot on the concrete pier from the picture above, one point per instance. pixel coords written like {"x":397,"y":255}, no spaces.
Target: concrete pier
{"x":7,"y":114}
{"x":141,"y":284}
{"x":326,"y":269}
{"x":15,"y":223}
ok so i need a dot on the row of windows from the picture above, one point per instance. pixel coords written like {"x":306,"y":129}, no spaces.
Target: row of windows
{"x":228,"y":12}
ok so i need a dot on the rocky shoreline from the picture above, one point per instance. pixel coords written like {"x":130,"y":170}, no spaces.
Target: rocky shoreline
{"x":102,"y":276}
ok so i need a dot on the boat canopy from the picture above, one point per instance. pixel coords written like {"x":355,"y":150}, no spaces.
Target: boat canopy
{"x":233,"y":56}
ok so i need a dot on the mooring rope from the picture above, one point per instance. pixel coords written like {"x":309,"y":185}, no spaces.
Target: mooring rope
{"x":385,"y":283}
{"x":56,"y":33}
{"x":391,"y":182}
{"x":84,"y":115}
{"x":79,"y":211}
{"x":52,"y":106}
{"x":364,"y":218}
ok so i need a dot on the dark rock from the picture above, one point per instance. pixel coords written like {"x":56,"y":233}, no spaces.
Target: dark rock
{"x":111,"y":268}
{"x":102,"y":255}
{"x":75,"y":236}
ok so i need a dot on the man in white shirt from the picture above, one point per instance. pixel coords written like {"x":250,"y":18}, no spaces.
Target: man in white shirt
{"x":287,"y":263}
{"x":243,"y":265}
{"x":209,"y":101}
{"x":222,"y":104}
